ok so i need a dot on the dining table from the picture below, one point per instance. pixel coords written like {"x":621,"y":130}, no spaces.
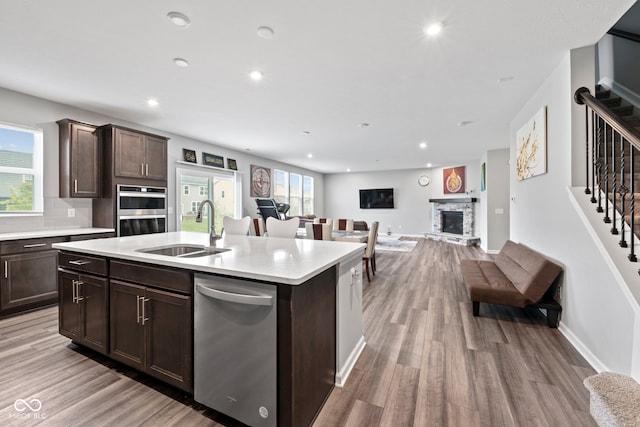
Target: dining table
{"x":357,"y":236}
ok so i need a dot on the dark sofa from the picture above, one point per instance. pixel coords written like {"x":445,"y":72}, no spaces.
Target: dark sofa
{"x":519,"y":277}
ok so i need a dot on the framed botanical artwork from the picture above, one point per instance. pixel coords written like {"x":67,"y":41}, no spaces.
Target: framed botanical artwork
{"x":453,"y":180}
{"x":531,"y":155}
{"x":189,"y":155}
{"x":212,"y":160}
{"x":231,"y":164}
{"x":260,"y":181}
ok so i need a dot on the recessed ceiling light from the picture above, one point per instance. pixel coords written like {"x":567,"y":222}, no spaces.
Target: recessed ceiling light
{"x":348,"y":169}
{"x":505,"y":79}
{"x":179,"y":19}
{"x":309,"y":155}
{"x":256,"y":75}
{"x":428,"y":165}
{"x":181,"y":62}
{"x":464,"y":123}
{"x":306,"y":132}
{"x":265,"y":32}
{"x":423,"y":145}
{"x":433,"y":29}
{"x":152,"y":102}
{"x":364,"y":125}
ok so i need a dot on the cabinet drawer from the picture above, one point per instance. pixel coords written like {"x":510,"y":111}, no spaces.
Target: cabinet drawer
{"x":146,"y":274}
{"x":29,"y":245}
{"x":85,"y":263}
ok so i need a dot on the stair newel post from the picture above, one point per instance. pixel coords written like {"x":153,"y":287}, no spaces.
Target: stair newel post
{"x":632,"y":203}
{"x":614,"y":181}
{"x":607,"y":220}
{"x":624,"y":190}
{"x":586,"y":136}
{"x":601,"y":152}
{"x":593,"y":155}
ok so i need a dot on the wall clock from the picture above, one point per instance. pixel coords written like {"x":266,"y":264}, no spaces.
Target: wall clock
{"x":424,"y":180}
{"x":260,"y":181}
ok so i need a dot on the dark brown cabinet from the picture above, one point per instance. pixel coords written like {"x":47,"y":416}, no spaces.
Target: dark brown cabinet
{"x":136,"y":154}
{"x":80,"y":160}
{"x":28,"y":274}
{"x":83,"y":300}
{"x":151,"y":328}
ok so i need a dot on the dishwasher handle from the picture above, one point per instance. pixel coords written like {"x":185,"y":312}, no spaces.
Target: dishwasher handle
{"x":233,"y":297}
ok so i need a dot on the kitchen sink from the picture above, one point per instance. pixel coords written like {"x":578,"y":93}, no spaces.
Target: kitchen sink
{"x":183,"y":250}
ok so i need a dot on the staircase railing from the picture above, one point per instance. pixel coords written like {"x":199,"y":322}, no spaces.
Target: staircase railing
{"x":611,"y":150}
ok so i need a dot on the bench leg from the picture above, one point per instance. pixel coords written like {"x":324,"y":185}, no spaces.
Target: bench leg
{"x":552,"y":318}
{"x":476,"y":308}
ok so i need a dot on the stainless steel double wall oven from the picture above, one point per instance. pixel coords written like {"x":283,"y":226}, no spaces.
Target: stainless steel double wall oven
{"x":141,"y":210}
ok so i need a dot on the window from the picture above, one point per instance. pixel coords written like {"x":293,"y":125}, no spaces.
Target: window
{"x":186,"y":190}
{"x":294,"y":189}
{"x":21,"y":182}
{"x":203,"y":190}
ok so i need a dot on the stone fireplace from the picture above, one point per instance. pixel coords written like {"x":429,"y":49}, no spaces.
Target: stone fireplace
{"x":453,"y":221}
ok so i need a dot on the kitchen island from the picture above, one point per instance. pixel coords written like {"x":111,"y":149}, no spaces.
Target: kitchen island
{"x":136,"y":307}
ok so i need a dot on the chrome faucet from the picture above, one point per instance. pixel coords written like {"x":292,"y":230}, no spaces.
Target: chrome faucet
{"x":213,"y":237}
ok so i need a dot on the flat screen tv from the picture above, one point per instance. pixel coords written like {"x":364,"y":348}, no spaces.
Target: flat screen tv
{"x":377,"y":198}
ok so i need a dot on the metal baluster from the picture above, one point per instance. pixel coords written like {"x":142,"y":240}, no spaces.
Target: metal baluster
{"x":624,"y":190}
{"x":614,"y":179}
{"x":593,"y":155}
{"x":600,"y":162}
{"x":606,"y":176}
{"x":586,"y":120}
{"x":632,"y":202}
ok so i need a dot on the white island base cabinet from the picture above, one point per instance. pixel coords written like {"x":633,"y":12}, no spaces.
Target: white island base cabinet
{"x":349,"y":329}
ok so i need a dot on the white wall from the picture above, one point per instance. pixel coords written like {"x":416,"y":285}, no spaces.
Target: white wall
{"x":413,"y":212}
{"x":496,"y":200}
{"x":21,"y":109}
{"x":596,"y":317}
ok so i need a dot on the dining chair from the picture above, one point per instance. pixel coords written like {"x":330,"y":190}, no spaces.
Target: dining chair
{"x":370,"y":251}
{"x":323,"y":221}
{"x":257,"y":226}
{"x":343,"y":224}
{"x":282,"y":228}
{"x":236,"y":226}
{"x":318,"y":231}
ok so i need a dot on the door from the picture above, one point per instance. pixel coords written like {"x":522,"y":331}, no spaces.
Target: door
{"x":168,"y":325}
{"x":68,"y":310}
{"x":129,"y":154}
{"x":27,"y":279}
{"x":156,"y":158}
{"x":92,"y":292}
{"x":86,"y":171}
{"x":127,"y":331}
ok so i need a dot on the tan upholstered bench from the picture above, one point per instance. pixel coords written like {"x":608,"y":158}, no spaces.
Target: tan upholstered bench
{"x":519,"y":277}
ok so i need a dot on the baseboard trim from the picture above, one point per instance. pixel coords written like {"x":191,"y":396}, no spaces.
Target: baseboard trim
{"x":582,"y":349}
{"x":341,"y":377}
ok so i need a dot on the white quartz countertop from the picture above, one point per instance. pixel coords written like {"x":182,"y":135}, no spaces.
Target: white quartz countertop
{"x":53,"y":233}
{"x":270,"y":259}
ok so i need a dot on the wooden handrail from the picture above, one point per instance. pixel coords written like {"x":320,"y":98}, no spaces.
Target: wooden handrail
{"x":631,"y":134}
{"x":625,"y":35}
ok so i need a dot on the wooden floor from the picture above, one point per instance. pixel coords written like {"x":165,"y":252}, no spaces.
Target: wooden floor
{"x":428,"y":362}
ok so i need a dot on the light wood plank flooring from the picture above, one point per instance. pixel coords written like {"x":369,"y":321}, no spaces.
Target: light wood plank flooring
{"x":428,"y":362}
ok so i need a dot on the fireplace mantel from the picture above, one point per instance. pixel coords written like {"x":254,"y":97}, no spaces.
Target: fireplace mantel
{"x":464,"y":200}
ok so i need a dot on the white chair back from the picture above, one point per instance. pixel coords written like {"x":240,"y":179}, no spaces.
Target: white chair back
{"x":318,"y":231}
{"x":343,"y":224}
{"x":236,"y":226}
{"x":278,"y":228}
{"x":323,"y":221}
{"x":371,"y":241}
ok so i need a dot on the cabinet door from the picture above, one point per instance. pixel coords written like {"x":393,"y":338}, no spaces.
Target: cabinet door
{"x":126,"y":329}
{"x":93,"y":300}
{"x":28,"y":279}
{"x":129,"y":154}
{"x":156,"y":158}
{"x":168,"y":331}
{"x":86,"y":172}
{"x":68,"y":310}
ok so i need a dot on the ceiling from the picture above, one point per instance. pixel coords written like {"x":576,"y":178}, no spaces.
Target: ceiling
{"x":330,"y":67}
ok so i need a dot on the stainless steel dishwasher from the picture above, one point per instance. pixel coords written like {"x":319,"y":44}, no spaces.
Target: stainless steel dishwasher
{"x":235,"y":348}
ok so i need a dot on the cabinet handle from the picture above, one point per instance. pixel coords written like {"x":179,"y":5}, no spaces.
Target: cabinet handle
{"x":34,"y":245}
{"x":75,"y":185}
{"x":142,"y":169}
{"x":79,"y":262}
{"x":6,"y":269}
{"x":144,"y":318}
{"x":147,"y":169}
{"x":73,"y":291}
{"x":138,"y":309}
{"x":78,"y":297}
